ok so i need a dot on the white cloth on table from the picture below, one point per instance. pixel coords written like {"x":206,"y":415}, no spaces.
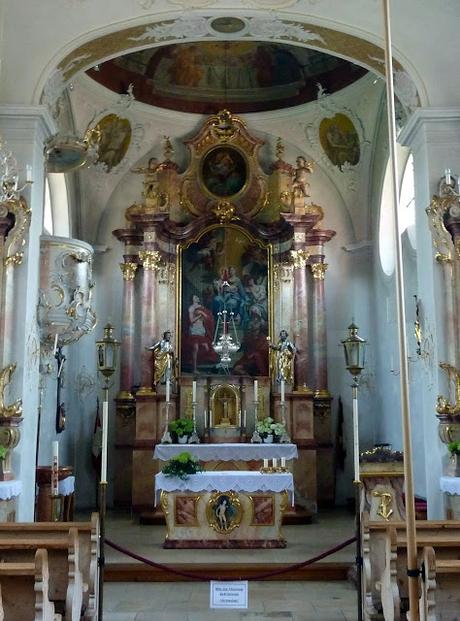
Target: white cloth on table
{"x":226,"y":480}
{"x":10,"y":489}
{"x":451,"y":485}
{"x":66,"y":486}
{"x":227,"y":452}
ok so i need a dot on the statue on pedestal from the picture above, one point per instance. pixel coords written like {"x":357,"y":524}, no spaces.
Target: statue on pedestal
{"x":282,"y":359}
{"x":164,"y":361}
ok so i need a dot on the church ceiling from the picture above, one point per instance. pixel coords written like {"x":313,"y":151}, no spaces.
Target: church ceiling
{"x":245,"y":76}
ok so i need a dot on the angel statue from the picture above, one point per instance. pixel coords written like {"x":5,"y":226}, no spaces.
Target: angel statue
{"x":282,"y":359}
{"x":164,"y":361}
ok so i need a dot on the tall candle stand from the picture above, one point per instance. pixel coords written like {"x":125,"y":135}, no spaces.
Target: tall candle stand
{"x":255,"y":436}
{"x":166,"y":437}
{"x":194,"y":439}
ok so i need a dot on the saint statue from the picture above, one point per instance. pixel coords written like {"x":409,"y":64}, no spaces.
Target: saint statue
{"x":282,"y":358}
{"x":164,"y":361}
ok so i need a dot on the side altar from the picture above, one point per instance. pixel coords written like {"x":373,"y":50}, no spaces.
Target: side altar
{"x":223,"y":312}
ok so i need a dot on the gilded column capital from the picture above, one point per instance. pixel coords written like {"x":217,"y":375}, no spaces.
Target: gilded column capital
{"x":151,"y":259}
{"x":299,"y":258}
{"x":129,"y":270}
{"x":318,"y":270}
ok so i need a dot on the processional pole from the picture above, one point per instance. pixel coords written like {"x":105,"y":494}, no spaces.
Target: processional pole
{"x":412,"y":568}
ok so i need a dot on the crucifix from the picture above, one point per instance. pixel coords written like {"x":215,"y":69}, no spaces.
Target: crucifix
{"x":60,"y":412}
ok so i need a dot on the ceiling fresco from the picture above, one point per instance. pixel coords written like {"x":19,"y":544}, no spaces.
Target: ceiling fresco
{"x":244,"y":76}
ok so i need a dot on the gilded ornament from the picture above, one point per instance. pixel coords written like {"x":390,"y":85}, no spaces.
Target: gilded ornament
{"x":14,"y":409}
{"x":279,"y":149}
{"x":128,"y":270}
{"x":224,"y":125}
{"x":9,"y":437}
{"x":443,"y":405}
{"x":442,"y":239}
{"x":318,"y":270}
{"x":151,"y":259}
{"x":224,"y":211}
{"x":16,"y":237}
{"x":299,"y":258}
{"x":385,"y":506}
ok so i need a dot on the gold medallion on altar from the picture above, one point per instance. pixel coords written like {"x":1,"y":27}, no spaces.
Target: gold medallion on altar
{"x":224,"y":512}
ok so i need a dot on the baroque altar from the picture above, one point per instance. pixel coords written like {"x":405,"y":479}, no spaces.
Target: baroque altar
{"x":223,"y":273}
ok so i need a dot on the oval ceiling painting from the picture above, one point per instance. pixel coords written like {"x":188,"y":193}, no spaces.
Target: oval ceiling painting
{"x":113,"y":141}
{"x":244,"y":76}
{"x":340,"y":140}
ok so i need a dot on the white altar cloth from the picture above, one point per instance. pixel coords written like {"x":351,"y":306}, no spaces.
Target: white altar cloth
{"x":10,"y":489}
{"x":226,"y":480}
{"x":227,"y":452}
{"x":451,"y":485}
{"x":66,"y":486}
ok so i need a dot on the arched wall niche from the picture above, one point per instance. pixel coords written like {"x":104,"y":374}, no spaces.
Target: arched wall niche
{"x":179,"y":28}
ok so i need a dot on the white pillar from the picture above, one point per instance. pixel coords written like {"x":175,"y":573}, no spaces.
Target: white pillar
{"x":25,"y":128}
{"x":433,"y":135}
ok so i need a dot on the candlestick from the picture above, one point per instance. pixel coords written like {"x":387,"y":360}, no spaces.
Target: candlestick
{"x":265,"y":463}
{"x":283,"y":462}
{"x":244,"y":419}
{"x":282,"y":391}
{"x":55,"y":344}
{"x":274,"y":462}
{"x":168,"y":391}
{"x":256,"y":390}
{"x":194,"y":391}
{"x":447,"y":174}
{"x":55,"y":468}
{"x":105,"y":425}
{"x":28,"y":173}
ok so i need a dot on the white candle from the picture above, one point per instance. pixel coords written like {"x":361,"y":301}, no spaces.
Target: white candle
{"x":256,"y":390}
{"x":194,"y":391}
{"x":282,"y":391}
{"x":206,"y":419}
{"x":244,"y":419}
{"x":105,"y":428}
{"x":283,"y":462}
{"x":447,"y":174}
{"x":55,"y":344}
{"x":274,"y":462}
{"x":168,"y":391}
{"x":265,"y":463}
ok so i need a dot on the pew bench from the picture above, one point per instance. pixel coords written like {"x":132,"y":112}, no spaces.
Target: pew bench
{"x":88,"y":551}
{"x":65,"y":579}
{"x":24,"y":590}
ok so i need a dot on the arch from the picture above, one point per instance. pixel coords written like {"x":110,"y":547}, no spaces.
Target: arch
{"x":180,"y":28}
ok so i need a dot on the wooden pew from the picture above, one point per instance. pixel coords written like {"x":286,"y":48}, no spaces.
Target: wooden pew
{"x":65,"y":579}
{"x":440,"y":588}
{"x":24,"y":590}
{"x":379,"y":579}
{"x":88,"y":551}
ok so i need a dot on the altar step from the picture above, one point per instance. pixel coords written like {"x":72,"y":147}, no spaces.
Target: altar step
{"x":138,"y":572}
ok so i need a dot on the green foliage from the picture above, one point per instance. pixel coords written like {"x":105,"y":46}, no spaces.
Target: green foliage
{"x":454,"y":447}
{"x":3,"y":452}
{"x":181,"y":427}
{"x":267,"y":425}
{"x":181,"y":466}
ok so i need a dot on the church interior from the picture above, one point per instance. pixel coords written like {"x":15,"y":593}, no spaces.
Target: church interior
{"x":229,"y":293}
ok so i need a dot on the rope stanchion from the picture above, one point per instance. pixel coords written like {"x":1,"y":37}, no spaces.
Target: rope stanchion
{"x":201,"y":578}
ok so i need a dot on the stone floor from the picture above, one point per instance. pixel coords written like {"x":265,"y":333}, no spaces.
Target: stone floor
{"x":268,"y":601}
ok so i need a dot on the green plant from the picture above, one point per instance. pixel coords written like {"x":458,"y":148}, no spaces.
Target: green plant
{"x":182,"y":466}
{"x":181,"y":427}
{"x":454,"y":447}
{"x":267,"y":425}
{"x":3,"y":452}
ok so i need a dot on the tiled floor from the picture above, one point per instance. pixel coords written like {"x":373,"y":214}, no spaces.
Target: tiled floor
{"x":268,"y":601}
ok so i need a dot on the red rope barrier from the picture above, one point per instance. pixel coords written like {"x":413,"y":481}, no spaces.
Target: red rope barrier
{"x":262,"y":576}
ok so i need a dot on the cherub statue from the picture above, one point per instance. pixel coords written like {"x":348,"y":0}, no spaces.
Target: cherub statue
{"x":300,"y":185}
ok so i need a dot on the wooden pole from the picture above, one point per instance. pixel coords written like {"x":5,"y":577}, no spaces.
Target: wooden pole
{"x":412,"y":569}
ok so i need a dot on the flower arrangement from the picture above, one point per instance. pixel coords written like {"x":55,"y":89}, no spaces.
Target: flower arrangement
{"x":267,"y":427}
{"x":182,"y":466}
{"x":3,"y":452}
{"x":181,"y":427}
{"x":454,"y":448}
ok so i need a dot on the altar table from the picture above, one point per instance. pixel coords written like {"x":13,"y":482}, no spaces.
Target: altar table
{"x":229,"y":509}
{"x":227,"y":452}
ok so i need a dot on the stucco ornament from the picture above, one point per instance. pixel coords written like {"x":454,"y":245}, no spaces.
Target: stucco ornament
{"x":271,"y":4}
{"x":184,"y":27}
{"x":273,"y":27}
{"x":406,"y":90}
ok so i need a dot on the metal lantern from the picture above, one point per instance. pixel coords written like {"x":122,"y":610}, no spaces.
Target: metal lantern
{"x":107,"y":353}
{"x":354,"y":348}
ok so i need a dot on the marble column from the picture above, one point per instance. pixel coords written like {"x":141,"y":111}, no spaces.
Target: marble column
{"x":150,"y":258}
{"x":299,"y":256}
{"x":318,"y":328}
{"x":128,"y":269}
